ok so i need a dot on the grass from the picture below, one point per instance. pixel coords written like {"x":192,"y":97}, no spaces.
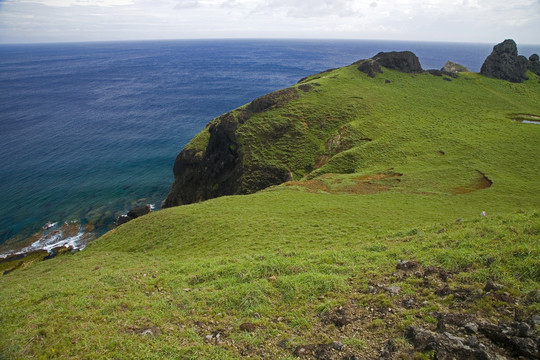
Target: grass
{"x":167,"y":284}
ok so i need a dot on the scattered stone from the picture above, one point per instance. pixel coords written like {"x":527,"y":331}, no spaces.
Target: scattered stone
{"x":505,"y":64}
{"x":491,"y":286}
{"x":387,"y":81}
{"x":248,"y":327}
{"x":446,"y":346}
{"x":535,"y":320}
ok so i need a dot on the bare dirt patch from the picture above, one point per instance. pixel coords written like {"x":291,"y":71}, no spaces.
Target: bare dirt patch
{"x":481,"y":182}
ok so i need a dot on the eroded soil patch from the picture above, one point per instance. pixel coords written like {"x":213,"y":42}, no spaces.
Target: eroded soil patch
{"x":481,"y":182}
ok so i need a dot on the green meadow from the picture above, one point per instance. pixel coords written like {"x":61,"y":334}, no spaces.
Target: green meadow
{"x":391,"y":168}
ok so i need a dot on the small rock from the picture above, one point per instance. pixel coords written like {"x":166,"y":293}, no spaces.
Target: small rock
{"x":535,"y":320}
{"x":523,"y":329}
{"x":491,"y":286}
{"x":283,"y":343}
{"x":406,"y":265}
{"x":272,"y":278}
{"x":393,"y":290}
{"x":338,"y":346}
{"x":472,"y":341}
{"x":304,"y":350}
{"x":471,"y":328}
{"x":389,"y":349}
{"x":187,"y":289}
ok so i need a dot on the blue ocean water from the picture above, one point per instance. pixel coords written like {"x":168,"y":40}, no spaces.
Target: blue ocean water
{"x":91,"y":130}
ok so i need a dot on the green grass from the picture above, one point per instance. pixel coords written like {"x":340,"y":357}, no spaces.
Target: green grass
{"x":281,"y":257}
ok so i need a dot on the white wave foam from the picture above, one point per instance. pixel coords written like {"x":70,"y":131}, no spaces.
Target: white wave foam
{"x":54,"y":237}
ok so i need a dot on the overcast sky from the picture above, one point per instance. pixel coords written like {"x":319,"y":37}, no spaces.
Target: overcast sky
{"x":487,"y":21}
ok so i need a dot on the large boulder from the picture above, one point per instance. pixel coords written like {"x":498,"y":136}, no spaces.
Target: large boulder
{"x":534,"y":64}
{"x":404,"y":61}
{"x":504,"y":63}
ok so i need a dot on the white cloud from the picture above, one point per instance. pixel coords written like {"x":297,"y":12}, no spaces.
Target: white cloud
{"x":446,"y":20}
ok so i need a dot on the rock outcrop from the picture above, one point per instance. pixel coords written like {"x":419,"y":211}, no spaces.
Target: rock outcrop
{"x":534,"y":64}
{"x":404,"y":61}
{"x":133,"y":214}
{"x":504,"y":63}
{"x":453,"y":67}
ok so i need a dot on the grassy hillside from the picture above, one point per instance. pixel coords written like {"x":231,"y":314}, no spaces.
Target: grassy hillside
{"x":396,"y":167}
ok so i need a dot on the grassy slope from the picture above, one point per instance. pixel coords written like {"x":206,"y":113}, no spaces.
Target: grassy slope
{"x":281,"y":257}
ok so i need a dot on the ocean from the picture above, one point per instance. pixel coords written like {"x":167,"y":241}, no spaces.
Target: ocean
{"x":91,"y":130}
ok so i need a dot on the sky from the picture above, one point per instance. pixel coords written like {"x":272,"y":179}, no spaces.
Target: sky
{"x":476,"y":21}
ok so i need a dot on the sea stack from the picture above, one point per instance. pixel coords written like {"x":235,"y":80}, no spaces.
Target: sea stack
{"x":504,"y":63}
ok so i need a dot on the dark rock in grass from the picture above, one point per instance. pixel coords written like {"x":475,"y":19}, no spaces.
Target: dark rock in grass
{"x":407,"y":265}
{"x":452,"y":67}
{"x":509,"y":338}
{"x":283,"y":343}
{"x":504,"y":63}
{"x":389,"y":349}
{"x":491,"y":286}
{"x":304,"y":350}
{"x":404,"y":61}
{"x":338,"y":317}
{"x":139,"y":211}
{"x":133,"y":214}
{"x":534,"y":64}
{"x":471,"y":328}
{"x":446,"y":346}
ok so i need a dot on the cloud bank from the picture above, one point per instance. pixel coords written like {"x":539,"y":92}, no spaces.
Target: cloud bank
{"x":430,"y":20}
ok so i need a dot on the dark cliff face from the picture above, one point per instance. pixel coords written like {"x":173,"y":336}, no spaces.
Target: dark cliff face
{"x":504,"y":63}
{"x":201,"y":175}
{"x":219,"y":169}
